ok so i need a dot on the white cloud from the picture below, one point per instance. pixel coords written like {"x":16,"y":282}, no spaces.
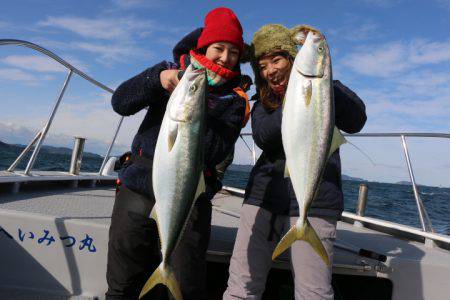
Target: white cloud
{"x":16,"y":75}
{"x":426,"y":79}
{"x":439,"y":107}
{"x":43,"y":64}
{"x":108,"y":52}
{"x":75,"y":62}
{"x":100,"y":28}
{"x":49,"y":44}
{"x":13,"y":133}
{"x":93,"y":119}
{"x":381,"y":3}
{"x":364,"y":31}
{"x":34,"y":63}
{"x":12,"y":74}
{"x":426,"y":52}
{"x":117,"y":38}
{"x":383,"y":61}
{"x":130,"y":4}
{"x":394,"y":58}
{"x":112,"y":52}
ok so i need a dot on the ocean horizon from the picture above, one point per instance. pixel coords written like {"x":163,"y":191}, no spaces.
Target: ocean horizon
{"x":387,"y":201}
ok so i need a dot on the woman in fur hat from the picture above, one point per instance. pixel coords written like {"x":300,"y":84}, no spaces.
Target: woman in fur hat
{"x":270,"y":206}
{"x":133,"y":248}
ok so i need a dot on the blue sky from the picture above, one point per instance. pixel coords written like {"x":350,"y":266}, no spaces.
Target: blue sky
{"x":394,"y":54}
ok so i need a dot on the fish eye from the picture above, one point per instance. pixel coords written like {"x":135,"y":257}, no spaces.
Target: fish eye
{"x":320,"y":49}
{"x":192,"y":88}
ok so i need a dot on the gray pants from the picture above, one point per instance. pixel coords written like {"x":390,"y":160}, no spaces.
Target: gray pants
{"x":252,"y":256}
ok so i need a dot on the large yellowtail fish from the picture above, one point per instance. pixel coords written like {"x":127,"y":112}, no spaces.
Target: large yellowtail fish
{"x":307,"y":130}
{"x":177,"y":170}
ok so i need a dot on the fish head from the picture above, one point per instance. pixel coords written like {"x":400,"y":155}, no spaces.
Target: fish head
{"x":312,"y":57}
{"x":187,"y":101}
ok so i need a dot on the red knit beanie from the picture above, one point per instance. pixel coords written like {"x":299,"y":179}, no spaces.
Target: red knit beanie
{"x":221,"y":25}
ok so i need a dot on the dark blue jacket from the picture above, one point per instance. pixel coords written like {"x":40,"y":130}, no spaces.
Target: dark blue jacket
{"x":267,"y":186}
{"x":225,"y":114}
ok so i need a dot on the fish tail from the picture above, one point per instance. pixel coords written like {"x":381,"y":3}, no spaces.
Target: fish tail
{"x":162,"y":275}
{"x":305,"y":233}
{"x":288,"y":239}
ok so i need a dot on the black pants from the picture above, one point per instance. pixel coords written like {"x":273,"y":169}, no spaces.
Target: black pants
{"x":133,"y":249}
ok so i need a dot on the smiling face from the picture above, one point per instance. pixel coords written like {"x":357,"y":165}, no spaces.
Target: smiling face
{"x":275,"y":69}
{"x":223,"y":54}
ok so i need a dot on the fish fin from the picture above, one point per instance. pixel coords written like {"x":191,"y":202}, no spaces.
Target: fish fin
{"x":286,"y":172}
{"x":307,"y":91}
{"x":307,"y":234}
{"x":337,"y":141}
{"x":162,"y":275}
{"x":201,"y":187}
{"x":172,"y":136}
{"x":153,"y":214}
{"x":288,"y":239}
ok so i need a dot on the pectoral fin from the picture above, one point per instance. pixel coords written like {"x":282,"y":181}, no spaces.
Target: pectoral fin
{"x":286,"y":172}
{"x":172,"y":136}
{"x":153,"y":214}
{"x":307,"y":92}
{"x":337,"y":140}
{"x":201,"y":187}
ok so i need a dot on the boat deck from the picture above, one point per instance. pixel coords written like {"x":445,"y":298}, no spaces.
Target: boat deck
{"x":88,"y":209}
{"x":94,"y":205}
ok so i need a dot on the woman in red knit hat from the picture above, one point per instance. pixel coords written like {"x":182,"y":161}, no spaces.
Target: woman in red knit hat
{"x":133,"y":248}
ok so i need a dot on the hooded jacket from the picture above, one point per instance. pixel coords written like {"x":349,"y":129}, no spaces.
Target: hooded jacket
{"x":268,"y":188}
{"x":225,"y":115}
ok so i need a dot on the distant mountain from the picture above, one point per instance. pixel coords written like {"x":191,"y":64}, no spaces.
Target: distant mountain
{"x":248,"y":168}
{"x":6,"y":146}
{"x":346,"y":177}
{"x":49,"y":158}
{"x":19,"y":135}
{"x":403,"y":182}
{"x":45,"y":149}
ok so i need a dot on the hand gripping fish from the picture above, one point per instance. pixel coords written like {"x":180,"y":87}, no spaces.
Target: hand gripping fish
{"x":307,"y":131}
{"x":177,"y":170}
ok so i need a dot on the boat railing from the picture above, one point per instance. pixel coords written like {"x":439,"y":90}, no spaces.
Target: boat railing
{"x":425,"y":221}
{"x":39,"y":139}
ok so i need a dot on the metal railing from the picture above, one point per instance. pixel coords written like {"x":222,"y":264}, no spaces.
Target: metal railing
{"x":41,"y":135}
{"x":423,"y":215}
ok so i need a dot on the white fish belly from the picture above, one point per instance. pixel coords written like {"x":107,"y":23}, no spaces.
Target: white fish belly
{"x":175,"y":178}
{"x":306,"y":132}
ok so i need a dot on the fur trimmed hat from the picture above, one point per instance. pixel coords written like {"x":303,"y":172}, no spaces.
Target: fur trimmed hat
{"x":273,"y":38}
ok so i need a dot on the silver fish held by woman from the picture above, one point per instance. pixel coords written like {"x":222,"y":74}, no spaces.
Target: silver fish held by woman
{"x":307,"y":131}
{"x":177,"y":170}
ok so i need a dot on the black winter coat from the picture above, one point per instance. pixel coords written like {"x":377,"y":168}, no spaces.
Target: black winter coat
{"x":225,"y":114}
{"x":267,"y":186}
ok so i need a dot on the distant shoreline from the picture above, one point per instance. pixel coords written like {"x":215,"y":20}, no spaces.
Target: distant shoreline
{"x":15,"y":149}
{"x":247,"y":168}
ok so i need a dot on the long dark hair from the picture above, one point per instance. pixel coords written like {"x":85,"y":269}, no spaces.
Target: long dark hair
{"x":268,"y":98}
